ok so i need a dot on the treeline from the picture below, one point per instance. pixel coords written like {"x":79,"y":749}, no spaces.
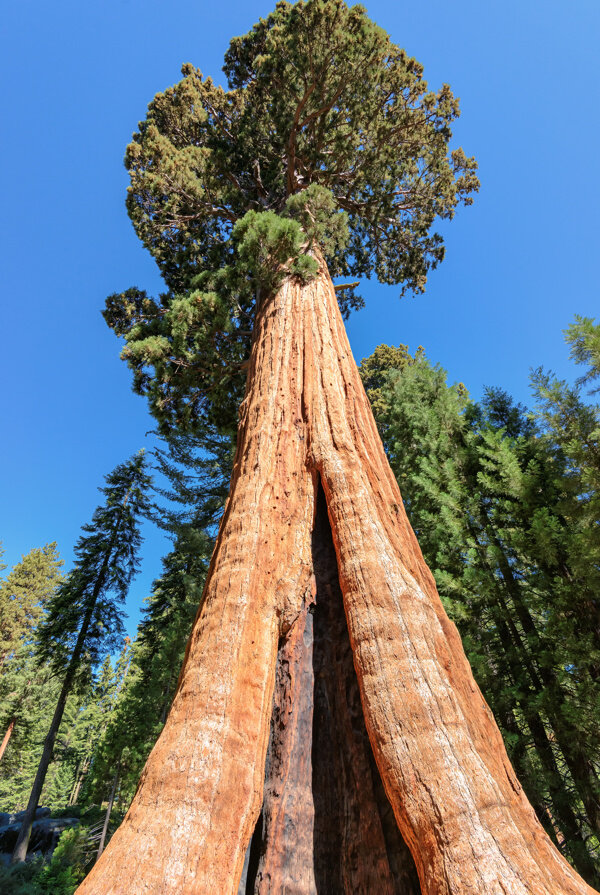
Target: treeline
{"x":504,"y":502}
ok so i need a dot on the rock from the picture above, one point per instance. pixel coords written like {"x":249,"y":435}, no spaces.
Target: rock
{"x":17,"y":818}
{"x":45,"y":832}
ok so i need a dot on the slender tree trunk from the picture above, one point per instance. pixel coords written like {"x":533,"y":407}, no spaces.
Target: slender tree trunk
{"x":22,"y":844}
{"x":441,"y":759}
{"x":20,"y":851}
{"x":6,"y":737}
{"x":77,"y":782}
{"x":512,"y":644}
{"x":555,"y":781}
{"x":580,"y":767}
{"x":109,"y":809}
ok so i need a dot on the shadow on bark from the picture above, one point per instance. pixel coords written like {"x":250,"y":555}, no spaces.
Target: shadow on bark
{"x":326,"y":826}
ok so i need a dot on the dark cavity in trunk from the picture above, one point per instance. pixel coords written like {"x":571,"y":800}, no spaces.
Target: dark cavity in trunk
{"x":326,"y":826}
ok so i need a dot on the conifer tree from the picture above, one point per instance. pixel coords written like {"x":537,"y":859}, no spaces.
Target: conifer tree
{"x":141,"y":708}
{"x":23,"y":596}
{"x":197,"y":468}
{"x":96,"y":714}
{"x":584,"y":338}
{"x":321,"y":655}
{"x":24,"y":593}
{"x":84,"y":617}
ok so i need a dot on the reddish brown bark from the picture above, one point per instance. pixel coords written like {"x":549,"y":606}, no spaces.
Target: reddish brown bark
{"x":446,"y":774}
{"x":325,"y":820}
{"x":6,"y":737}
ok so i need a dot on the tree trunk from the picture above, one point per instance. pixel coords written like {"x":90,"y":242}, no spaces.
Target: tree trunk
{"x":20,"y":850}
{"x":580,"y":767}
{"x":440,"y":757}
{"x":516,"y":654}
{"x":82,"y":766}
{"x":326,"y":824}
{"x":111,"y":800}
{"x":6,"y":737}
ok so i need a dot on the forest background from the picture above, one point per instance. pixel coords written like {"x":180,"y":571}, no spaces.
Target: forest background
{"x":77,"y":78}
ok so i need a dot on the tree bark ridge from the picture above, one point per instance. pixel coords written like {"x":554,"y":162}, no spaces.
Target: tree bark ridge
{"x":324,"y":808}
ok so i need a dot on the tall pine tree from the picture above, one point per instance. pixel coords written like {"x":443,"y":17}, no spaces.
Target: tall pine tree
{"x":84,"y":617}
{"x":24,"y":594}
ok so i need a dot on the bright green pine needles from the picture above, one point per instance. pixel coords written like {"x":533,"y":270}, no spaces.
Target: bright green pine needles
{"x":328,"y":135}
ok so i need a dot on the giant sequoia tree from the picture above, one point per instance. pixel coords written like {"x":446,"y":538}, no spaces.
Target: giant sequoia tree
{"x":326,"y":724}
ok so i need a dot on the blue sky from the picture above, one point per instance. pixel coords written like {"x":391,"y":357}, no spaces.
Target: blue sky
{"x":77,"y":78}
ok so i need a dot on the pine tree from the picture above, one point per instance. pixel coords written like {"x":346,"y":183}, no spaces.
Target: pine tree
{"x":141,"y":708}
{"x":326,"y":155}
{"x":197,"y":468}
{"x":23,"y":595}
{"x":84,"y":615}
{"x":81,"y":737}
{"x":584,"y":338}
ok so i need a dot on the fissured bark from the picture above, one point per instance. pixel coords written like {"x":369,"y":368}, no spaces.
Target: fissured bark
{"x":454,"y":795}
{"x":326,"y":825}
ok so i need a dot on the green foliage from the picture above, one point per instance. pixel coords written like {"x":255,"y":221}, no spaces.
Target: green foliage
{"x":323,"y":223}
{"x":197,"y":472}
{"x":67,"y":866}
{"x":83,"y":615}
{"x":23,"y":596}
{"x":141,"y":708}
{"x":317,"y":94}
{"x":327,"y":140}
{"x":584,"y":338}
{"x":265,"y":245}
{"x":20,"y":879}
{"x":106,"y":559}
{"x":59,"y":876}
{"x":27,"y":693}
{"x":374,"y":372}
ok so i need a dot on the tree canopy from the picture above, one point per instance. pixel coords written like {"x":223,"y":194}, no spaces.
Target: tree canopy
{"x":328,"y":135}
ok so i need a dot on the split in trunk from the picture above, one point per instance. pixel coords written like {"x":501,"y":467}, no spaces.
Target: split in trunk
{"x":325,"y":823}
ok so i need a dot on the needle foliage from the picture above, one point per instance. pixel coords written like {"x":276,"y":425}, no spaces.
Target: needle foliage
{"x":326,"y":136}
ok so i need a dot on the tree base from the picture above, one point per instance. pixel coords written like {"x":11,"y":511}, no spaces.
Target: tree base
{"x":326,"y":825}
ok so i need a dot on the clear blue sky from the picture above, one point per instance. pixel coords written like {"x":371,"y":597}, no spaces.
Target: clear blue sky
{"x":77,"y":78}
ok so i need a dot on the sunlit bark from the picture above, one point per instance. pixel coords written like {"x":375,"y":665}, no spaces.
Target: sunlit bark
{"x":455,"y":797}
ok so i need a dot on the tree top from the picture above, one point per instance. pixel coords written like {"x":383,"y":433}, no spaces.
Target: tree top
{"x":328,"y":135}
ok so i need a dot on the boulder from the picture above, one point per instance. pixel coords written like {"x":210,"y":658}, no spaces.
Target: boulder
{"x":17,"y":817}
{"x":45,"y":832}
